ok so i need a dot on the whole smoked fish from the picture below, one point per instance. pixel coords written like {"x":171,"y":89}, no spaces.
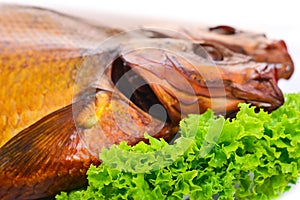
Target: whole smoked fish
{"x":50,"y":136}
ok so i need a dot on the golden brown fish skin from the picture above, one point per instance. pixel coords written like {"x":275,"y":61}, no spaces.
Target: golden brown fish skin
{"x":40,"y":54}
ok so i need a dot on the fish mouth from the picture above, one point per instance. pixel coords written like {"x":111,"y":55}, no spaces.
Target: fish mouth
{"x":135,"y":88}
{"x":261,"y":89}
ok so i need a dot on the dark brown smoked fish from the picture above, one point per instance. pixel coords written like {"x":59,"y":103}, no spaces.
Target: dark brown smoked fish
{"x":48,"y":141}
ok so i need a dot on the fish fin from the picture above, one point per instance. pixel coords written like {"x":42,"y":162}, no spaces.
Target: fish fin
{"x":42,"y":158}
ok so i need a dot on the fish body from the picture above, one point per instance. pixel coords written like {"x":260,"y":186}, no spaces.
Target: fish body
{"x":53,"y":126}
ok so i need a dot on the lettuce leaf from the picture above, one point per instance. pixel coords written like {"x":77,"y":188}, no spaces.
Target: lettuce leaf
{"x":253,"y":156}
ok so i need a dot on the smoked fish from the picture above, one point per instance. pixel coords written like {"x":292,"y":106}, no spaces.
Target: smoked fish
{"x":70,"y":88}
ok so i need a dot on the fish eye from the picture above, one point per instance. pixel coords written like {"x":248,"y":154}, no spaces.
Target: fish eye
{"x":223,"y":30}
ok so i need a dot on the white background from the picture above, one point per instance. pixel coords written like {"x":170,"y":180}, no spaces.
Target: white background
{"x":278,"y":19}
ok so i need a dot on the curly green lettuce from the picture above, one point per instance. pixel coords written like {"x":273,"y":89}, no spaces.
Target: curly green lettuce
{"x":253,"y":156}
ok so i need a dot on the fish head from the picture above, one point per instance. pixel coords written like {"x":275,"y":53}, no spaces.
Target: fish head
{"x":186,"y":77}
{"x":256,"y":45}
{"x":253,"y":44}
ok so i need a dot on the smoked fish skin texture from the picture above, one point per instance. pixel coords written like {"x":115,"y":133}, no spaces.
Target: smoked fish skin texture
{"x":40,"y":54}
